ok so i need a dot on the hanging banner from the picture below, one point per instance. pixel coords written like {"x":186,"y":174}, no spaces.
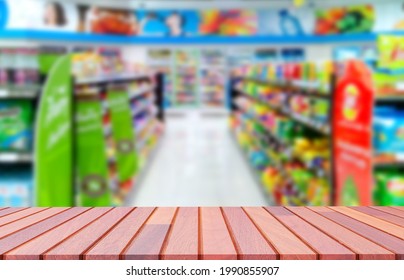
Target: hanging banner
{"x":91,"y":158}
{"x":53,"y":143}
{"x":123,"y":134}
{"x":353,"y":112}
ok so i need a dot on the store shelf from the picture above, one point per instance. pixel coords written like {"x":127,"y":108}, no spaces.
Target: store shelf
{"x":15,"y":157}
{"x":389,"y":99}
{"x":282,"y":147}
{"x":19,"y":92}
{"x":388,"y":160}
{"x":142,"y":109}
{"x":141,"y":92}
{"x":299,"y":88}
{"x":111,"y":79}
{"x":60,"y":36}
{"x":315,"y":125}
{"x":334,"y":233}
{"x":256,"y":174}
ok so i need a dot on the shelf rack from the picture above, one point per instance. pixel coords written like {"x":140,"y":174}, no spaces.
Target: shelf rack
{"x":291,"y":89}
{"x":101,"y":83}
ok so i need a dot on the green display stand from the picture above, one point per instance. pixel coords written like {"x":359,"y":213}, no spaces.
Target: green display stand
{"x":90,"y":155}
{"x":123,"y":134}
{"x":53,"y":142}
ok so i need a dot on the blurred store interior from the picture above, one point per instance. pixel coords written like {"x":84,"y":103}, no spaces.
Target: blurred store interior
{"x":201,"y":103}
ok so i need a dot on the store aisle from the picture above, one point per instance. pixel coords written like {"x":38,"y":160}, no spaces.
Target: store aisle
{"x":198,"y":164}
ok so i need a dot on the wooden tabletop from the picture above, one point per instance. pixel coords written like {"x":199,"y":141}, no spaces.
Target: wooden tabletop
{"x":202,"y":233}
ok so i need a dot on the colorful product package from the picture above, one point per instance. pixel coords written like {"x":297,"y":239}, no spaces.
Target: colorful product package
{"x":388,"y":84}
{"x":391,"y":52}
{"x":16,"y":188}
{"x":389,"y":188}
{"x":16,"y":118}
{"x":389,"y":132}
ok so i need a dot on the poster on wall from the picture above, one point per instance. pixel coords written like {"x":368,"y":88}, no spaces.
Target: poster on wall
{"x":389,"y":16}
{"x":41,"y":15}
{"x":353,"y":113}
{"x":169,"y":23}
{"x":228,"y":23}
{"x":345,"y":20}
{"x":64,"y":16}
{"x":286,"y":22}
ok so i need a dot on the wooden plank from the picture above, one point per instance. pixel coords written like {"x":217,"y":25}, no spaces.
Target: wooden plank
{"x":374,"y":222}
{"x":390,"y":210}
{"x":33,"y":249}
{"x":24,"y":235}
{"x":3,"y":208}
{"x":73,"y":247}
{"x":288,"y":245}
{"x":381,"y":215}
{"x":250,"y":243}
{"x":150,"y":241}
{"x":19,"y":214}
{"x":356,"y":243}
{"x":182,"y":242}
{"x":111,"y":246}
{"x":215,"y":239}
{"x":28,"y":221}
{"x":325,"y":246}
{"x":399,"y":208}
{"x":385,"y":240}
{"x":9,"y":211}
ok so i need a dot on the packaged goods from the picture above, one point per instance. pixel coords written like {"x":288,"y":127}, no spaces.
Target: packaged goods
{"x":16,"y":121}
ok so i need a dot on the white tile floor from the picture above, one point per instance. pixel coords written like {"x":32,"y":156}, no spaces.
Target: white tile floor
{"x":198,"y":164}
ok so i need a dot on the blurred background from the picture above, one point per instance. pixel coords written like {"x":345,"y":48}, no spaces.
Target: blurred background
{"x":201,"y":103}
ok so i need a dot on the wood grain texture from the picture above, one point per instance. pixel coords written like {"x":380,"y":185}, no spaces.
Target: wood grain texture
{"x":356,"y":243}
{"x":385,"y":240}
{"x":183,"y":239}
{"x":374,"y":222}
{"x":33,"y":249}
{"x":19,"y":214}
{"x":215,"y":239}
{"x":390,"y":210}
{"x":202,"y":233}
{"x":326,"y":247}
{"x":149,"y":243}
{"x":12,"y":241}
{"x":288,"y":245}
{"x":73,"y":247}
{"x":8,"y":211}
{"x":381,"y":215}
{"x":399,"y":208}
{"x":114,"y":243}
{"x":28,"y":221}
{"x":248,"y":240}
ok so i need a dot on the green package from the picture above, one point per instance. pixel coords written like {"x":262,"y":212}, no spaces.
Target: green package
{"x":389,"y":188}
{"x":16,"y":120}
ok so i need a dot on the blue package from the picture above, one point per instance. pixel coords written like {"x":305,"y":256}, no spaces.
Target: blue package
{"x":16,"y":188}
{"x":389,"y":132}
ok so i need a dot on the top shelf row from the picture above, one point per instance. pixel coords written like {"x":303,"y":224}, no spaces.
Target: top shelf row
{"x":112,"y":79}
{"x":309,"y":89}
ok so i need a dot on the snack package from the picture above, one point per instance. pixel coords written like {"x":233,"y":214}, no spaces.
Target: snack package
{"x":16,"y":121}
{"x":391,"y":52}
{"x":389,"y":188}
{"x":389,"y":133}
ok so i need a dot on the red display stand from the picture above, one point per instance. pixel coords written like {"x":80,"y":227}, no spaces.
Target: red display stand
{"x":352,"y":124}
